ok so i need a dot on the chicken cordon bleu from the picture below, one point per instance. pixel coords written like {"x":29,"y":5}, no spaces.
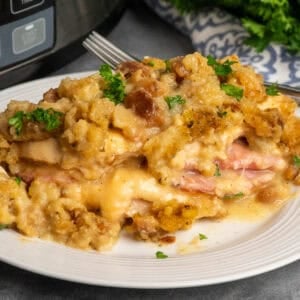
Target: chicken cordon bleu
{"x":149,"y":148}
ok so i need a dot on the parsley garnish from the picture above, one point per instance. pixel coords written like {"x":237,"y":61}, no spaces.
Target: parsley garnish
{"x":217,"y":172}
{"x":173,"y":100}
{"x":160,"y":255}
{"x":18,"y":180}
{"x":232,"y":90}
{"x":233,"y":196}
{"x":49,"y":117}
{"x":265,"y":21}
{"x":272,"y":90}
{"x":168,"y":65}
{"x":221,"y":113}
{"x":3,"y":226}
{"x":296,"y":160}
{"x":220,"y":69}
{"x":202,"y":236}
{"x":150,"y":63}
{"x":17,"y":121}
{"x":115,"y":87}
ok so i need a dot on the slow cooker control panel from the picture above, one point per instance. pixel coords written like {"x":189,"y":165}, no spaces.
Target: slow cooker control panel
{"x":27,"y":29}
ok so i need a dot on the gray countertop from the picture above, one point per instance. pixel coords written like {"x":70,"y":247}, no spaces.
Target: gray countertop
{"x":142,"y":33}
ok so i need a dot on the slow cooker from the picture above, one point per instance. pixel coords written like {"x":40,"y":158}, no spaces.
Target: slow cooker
{"x":37,"y":36}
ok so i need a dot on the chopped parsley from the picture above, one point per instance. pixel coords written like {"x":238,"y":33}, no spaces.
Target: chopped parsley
{"x":272,"y":90}
{"x":174,"y":100}
{"x":220,"y":69}
{"x":17,"y":121}
{"x":49,"y":117}
{"x":232,"y":90}
{"x":202,"y":236}
{"x":221,"y":113}
{"x":296,"y":160}
{"x":18,"y":180}
{"x":151,"y":64}
{"x":217,"y":172}
{"x":168,"y":65}
{"x":233,"y":196}
{"x":160,"y":255}
{"x":3,"y":226}
{"x":115,"y":87}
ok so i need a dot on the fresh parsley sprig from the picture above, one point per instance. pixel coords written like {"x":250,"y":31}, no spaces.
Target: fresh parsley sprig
{"x":168,"y":65}
{"x":233,"y":91}
{"x":49,"y":117}
{"x":172,"y":101}
{"x":17,"y":121}
{"x":265,"y":21}
{"x":296,"y":161}
{"x":272,"y":90}
{"x":115,"y":87}
{"x":18,"y":180}
{"x":221,"y":69}
{"x":202,"y":236}
{"x":160,"y":255}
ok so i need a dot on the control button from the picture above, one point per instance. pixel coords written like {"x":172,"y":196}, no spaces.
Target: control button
{"x":29,"y":36}
{"x":18,"y":6}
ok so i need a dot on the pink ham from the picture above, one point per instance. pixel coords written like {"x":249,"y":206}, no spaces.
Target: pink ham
{"x":240,"y":157}
{"x":258,"y":177}
{"x":192,"y":180}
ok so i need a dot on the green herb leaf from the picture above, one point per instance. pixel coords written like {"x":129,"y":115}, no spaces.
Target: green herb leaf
{"x":221,"y":113}
{"x":160,"y":255}
{"x":17,"y":121}
{"x":174,"y":100}
{"x":168,"y":65}
{"x":232,"y":90}
{"x":233,"y":196}
{"x":151,"y":64}
{"x":296,"y":160}
{"x":202,"y":236}
{"x":106,"y":72}
{"x":272,"y":90}
{"x":3,"y":226}
{"x":18,"y":180}
{"x":49,"y":117}
{"x":217,"y":172}
{"x":115,"y":87}
{"x":266,"y":21}
{"x":220,"y":69}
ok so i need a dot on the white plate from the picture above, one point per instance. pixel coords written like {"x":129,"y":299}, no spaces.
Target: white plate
{"x":233,"y":250}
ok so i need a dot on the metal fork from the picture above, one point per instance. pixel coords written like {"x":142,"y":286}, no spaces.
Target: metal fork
{"x":112,"y":55}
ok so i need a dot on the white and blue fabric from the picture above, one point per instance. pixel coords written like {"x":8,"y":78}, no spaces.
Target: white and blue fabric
{"x":218,"y":33}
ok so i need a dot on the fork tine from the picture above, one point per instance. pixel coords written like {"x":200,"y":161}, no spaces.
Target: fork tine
{"x":118,"y":52}
{"x":115,"y":58}
{"x":100,"y":53}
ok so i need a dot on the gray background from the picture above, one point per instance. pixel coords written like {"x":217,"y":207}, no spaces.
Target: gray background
{"x":142,"y":33}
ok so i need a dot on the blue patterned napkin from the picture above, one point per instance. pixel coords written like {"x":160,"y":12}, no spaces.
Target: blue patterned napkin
{"x":218,"y":33}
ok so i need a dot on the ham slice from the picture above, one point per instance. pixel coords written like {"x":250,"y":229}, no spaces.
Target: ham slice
{"x":240,"y":157}
{"x":192,"y":180}
{"x":255,"y":169}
